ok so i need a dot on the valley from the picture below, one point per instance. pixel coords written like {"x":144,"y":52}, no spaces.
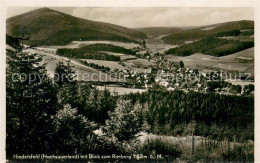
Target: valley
{"x":156,"y":94}
{"x":136,"y":70}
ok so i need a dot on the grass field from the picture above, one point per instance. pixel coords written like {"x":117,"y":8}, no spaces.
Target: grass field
{"x":121,"y":90}
{"x":140,"y":63}
{"x":83,"y":72}
{"x":211,"y":46}
{"x":113,"y":53}
{"x":197,"y":33}
{"x":240,"y":38}
{"x":204,"y":149}
{"x":70,"y":45}
{"x":116,"y":43}
{"x":229,"y":62}
{"x":127,"y":57}
{"x":122,"y":56}
{"x":77,"y":44}
{"x":111,"y":64}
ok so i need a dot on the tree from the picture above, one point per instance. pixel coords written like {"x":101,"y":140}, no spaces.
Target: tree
{"x":239,"y":88}
{"x":192,"y":128}
{"x":64,"y":74}
{"x":107,"y":104}
{"x":196,"y":71}
{"x":236,"y":89}
{"x":248,"y":89}
{"x":68,"y":90}
{"x":144,"y":44}
{"x":181,"y":64}
{"x":13,"y":42}
{"x":73,"y":132}
{"x":31,"y":102}
{"x":212,"y":85}
{"x":124,"y":123}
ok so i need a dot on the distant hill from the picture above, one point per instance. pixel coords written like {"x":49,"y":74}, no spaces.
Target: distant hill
{"x":180,"y":36}
{"x":49,"y":27}
{"x":157,"y":31}
{"x":211,"y":46}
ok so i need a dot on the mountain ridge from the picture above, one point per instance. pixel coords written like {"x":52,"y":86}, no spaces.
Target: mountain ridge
{"x":50,"y":27}
{"x":194,"y":34}
{"x":168,"y":30}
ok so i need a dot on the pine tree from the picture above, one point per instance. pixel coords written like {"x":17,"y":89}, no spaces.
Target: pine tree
{"x":64,"y":74}
{"x":73,"y":132}
{"x":31,"y":101}
{"x":181,"y":64}
{"x":64,"y":77}
{"x":124,"y":123}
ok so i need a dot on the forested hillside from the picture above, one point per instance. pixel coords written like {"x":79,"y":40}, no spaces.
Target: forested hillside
{"x":92,"y":51}
{"x":211,"y":46}
{"x":198,"y":33}
{"x":169,"y":112}
{"x":49,"y":27}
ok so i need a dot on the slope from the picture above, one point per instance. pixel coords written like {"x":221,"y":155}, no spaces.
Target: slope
{"x":49,"y":27}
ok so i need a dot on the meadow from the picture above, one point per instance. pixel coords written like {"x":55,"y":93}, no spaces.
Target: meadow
{"x":226,"y":63}
{"x":77,"y":44}
{"x":111,"y":64}
{"x":120,"y":90}
{"x":198,"y":148}
{"x":211,"y":46}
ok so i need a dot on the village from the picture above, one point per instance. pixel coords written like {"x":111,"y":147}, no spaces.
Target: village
{"x":160,"y":73}
{"x":108,"y":92}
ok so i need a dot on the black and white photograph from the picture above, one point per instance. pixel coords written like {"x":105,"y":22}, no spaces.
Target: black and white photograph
{"x":129,"y":84}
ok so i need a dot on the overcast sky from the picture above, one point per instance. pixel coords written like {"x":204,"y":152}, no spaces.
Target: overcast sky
{"x":152,"y":17}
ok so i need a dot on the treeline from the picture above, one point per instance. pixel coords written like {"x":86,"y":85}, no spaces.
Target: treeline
{"x":168,"y":112}
{"x":235,"y":32}
{"x":235,"y":89}
{"x":247,"y":33}
{"x":179,"y":37}
{"x":211,"y":46}
{"x":64,"y":37}
{"x":94,"y":55}
{"x":92,"y":51}
{"x":12,"y":41}
{"x":228,"y":33}
{"x":96,"y":66}
{"x":62,"y":116}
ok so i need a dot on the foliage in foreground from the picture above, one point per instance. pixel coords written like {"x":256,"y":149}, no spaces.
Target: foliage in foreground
{"x":30,"y":105}
{"x":68,"y":117}
{"x":170,"y":111}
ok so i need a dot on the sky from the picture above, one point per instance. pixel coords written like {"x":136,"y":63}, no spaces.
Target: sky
{"x":152,"y":16}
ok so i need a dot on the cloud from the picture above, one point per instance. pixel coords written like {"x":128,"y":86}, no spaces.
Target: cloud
{"x":152,"y":17}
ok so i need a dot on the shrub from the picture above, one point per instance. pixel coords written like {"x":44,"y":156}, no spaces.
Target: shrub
{"x":158,"y":146}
